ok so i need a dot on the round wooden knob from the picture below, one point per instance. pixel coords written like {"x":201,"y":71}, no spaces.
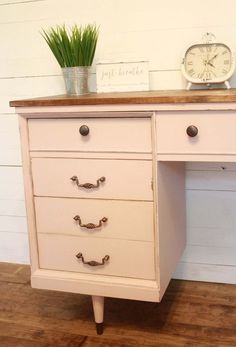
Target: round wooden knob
{"x":84,"y":130}
{"x":192,"y":130}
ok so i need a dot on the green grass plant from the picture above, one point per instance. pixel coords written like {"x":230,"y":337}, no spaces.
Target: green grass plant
{"x":72,"y":47}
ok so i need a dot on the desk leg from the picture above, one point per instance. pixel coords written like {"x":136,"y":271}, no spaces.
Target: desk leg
{"x":98,"y":309}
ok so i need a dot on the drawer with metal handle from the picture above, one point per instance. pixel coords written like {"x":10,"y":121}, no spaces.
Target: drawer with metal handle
{"x":128,"y":220}
{"x":92,"y":178}
{"x":96,"y":256}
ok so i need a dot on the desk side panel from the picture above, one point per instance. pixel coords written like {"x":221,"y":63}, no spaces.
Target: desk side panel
{"x":28,"y":187}
{"x":171,"y":218}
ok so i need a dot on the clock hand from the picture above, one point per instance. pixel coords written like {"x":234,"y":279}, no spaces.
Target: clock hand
{"x":205,"y":62}
{"x":209,"y":61}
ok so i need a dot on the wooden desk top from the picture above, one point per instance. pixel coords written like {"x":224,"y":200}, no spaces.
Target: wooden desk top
{"x":150,"y":97}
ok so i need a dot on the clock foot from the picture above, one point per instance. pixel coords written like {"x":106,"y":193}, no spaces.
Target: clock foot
{"x":189,"y":85}
{"x":227,"y":84}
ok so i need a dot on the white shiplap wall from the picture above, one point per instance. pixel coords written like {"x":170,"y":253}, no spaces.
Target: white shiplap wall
{"x":153,"y":29}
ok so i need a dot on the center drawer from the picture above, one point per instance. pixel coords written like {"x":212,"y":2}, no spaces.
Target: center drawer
{"x":194,"y":132}
{"x":113,"y":179}
{"x":105,"y":134}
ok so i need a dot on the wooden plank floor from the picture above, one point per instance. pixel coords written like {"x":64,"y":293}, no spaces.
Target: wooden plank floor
{"x":190,"y":314}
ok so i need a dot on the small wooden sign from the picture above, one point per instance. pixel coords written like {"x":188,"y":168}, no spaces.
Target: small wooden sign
{"x":122,"y":76}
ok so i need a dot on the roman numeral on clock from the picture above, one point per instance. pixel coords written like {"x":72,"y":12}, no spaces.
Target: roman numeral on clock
{"x":191,"y":72}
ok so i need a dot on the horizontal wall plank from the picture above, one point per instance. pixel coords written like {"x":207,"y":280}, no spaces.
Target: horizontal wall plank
{"x":150,"y":14}
{"x":210,"y":255}
{"x":206,"y":272}
{"x":10,"y":153}
{"x":12,"y":207}
{"x":14,"y":248}
{"x":13,"y":224}
{"x":10,"y":157}
{"x":21,"y":88}
{"x":211,"y":209}
{"x":161,"y":80}
{"x":211,"y":180}
{"x":55,"y":11}
{"x":211,"y":237}
{"x":11,"y":183}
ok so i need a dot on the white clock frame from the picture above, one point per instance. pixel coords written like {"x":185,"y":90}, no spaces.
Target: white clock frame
{"x":223,"y":79}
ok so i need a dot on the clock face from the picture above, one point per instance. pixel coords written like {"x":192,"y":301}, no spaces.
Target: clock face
{"x":206,"y":63}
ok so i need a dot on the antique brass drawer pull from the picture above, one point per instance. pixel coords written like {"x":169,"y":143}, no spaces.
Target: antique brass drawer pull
{"x":90,"y":225}
{"x":92,"y":262}
{"x":88,"y":185}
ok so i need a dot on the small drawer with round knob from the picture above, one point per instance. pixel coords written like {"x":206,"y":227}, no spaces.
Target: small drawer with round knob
{"x":192,"y":131}
{"x":110,"y":134}
{"x":195,"y":133}
{"x":84,"y":130}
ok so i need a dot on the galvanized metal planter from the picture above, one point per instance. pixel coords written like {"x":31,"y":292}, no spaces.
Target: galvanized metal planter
{"x":76,"y":79}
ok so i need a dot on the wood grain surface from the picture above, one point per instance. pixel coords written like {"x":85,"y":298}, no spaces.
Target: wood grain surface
{"x":190,"y":314}
{"x":150,"y":97}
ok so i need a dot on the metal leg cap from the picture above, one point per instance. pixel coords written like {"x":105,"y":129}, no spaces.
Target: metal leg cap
{"x":99,"y":327}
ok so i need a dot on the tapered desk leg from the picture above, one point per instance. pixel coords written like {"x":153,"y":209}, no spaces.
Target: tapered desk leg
{"x":98,"y":309}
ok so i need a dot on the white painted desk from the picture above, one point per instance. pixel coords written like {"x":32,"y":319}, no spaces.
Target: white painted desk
{"x":104,"y":181}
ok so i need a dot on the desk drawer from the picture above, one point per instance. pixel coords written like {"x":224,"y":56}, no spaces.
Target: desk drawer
{"x":127,"y":258}
{"x":124,"y":179}
{"x":216,"y":133}
{"x":130,"y":220}
{"x":105,"y":135}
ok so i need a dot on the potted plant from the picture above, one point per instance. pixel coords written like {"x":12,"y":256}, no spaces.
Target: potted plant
{"x":74,"y":50}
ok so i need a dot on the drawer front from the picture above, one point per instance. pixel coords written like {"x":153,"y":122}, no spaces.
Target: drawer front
{"x":105,"y":134}
{"x":127,"y":258}
{"x":130,"y":220}
{"x":216,"y":133}
{"x":124,"y":179}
